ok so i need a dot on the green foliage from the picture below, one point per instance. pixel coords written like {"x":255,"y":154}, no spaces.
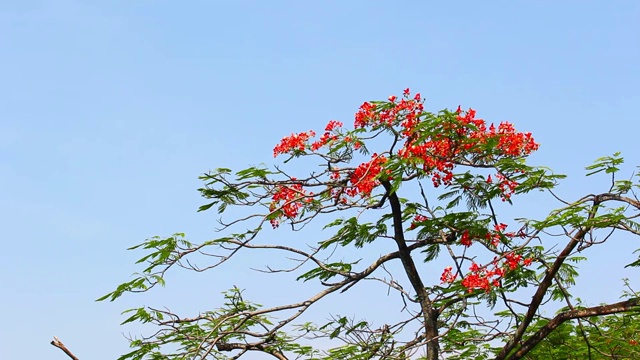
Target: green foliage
{"x":327,"y":271}
{"x":605,"y":337}
{"x":608,"y":164}
{"x":354,"y":232}
{"x":163,"y":253}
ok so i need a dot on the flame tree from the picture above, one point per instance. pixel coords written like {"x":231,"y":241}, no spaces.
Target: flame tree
{"x":433,"y":189}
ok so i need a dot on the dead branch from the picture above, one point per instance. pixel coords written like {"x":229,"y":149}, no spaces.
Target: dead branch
{"x":57,"y":343}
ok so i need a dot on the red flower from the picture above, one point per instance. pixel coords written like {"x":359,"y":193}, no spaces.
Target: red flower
{"x":332,"y":125}
{"x":293,"y":142}
{"x":447,"y":276}
{"x":465,"y":239}
{"x":289,"y":199}
{"x":364,"y":115}
{"x":513,"y":260}
{"x":416,"y":220}
{"x":364,"y":177}
{"x":324,"y":139}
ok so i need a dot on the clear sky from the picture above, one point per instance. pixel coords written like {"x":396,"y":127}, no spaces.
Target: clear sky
{"x":109,"y":111}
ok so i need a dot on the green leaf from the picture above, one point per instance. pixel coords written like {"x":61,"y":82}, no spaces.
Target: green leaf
{"x":608,"y":164}
{"x":635,"y":263}
{"x":431,"y":252}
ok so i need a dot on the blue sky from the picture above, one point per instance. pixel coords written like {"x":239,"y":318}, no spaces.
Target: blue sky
{"x":110,"y":110}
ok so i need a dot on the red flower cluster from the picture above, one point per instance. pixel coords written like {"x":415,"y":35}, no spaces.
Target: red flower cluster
{"x":332,"y":125}
{"x":417,"y":219}
{"x":510,"y":142}
{"x":507,"y":187}
{"x":406,"y":111}
{"x":300,"y":141}
{"x":513,"y":260}
{"x":324,"y":139}
{"x":327,"y":137}
{"x":447,"y":276}
{"x":481,"y":277}
{"x":364,"y":177}
{"x":491,"y":236}
{"x":494,"y":236}
{"x":439,"y":152}
{"x":465,"y":239}
{"x":293,"y":142}
{"x":513,"y":143}
{"x":434,"y":152}
{"x":293,"y":197}
{"x":335,"y":174}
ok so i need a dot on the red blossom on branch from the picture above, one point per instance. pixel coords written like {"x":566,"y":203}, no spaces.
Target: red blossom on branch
{"x":485,"y":278}
{"x":364,"y":177}
{"x":293,"y":142}
{"x":332,"y":125}
{"x":405,"y":110}
{"x":465,"y":239}
{"x":288,"y":199}
{"x":435,"y":152}
{"x":417,"y":219}
{"x":447,"y":275}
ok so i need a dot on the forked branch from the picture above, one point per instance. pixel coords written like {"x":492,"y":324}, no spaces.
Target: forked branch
{"x":609,"y":309}
{"x":57,"y":343}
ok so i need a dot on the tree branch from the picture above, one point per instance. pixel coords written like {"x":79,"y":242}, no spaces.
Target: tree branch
{"x":57,"y":343}
{"x":429,"y":313}
{"x":542,"y":291}
{"x":259,"y":346}
{"x":618,"y":307}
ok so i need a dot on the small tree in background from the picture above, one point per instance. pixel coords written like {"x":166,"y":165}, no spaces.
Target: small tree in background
{"x":433,"y":188}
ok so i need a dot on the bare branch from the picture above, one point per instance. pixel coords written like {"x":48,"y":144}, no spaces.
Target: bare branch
{"x":57,"y":343}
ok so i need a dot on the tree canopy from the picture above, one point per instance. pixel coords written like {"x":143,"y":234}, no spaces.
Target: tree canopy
{"x":424,"y":204}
